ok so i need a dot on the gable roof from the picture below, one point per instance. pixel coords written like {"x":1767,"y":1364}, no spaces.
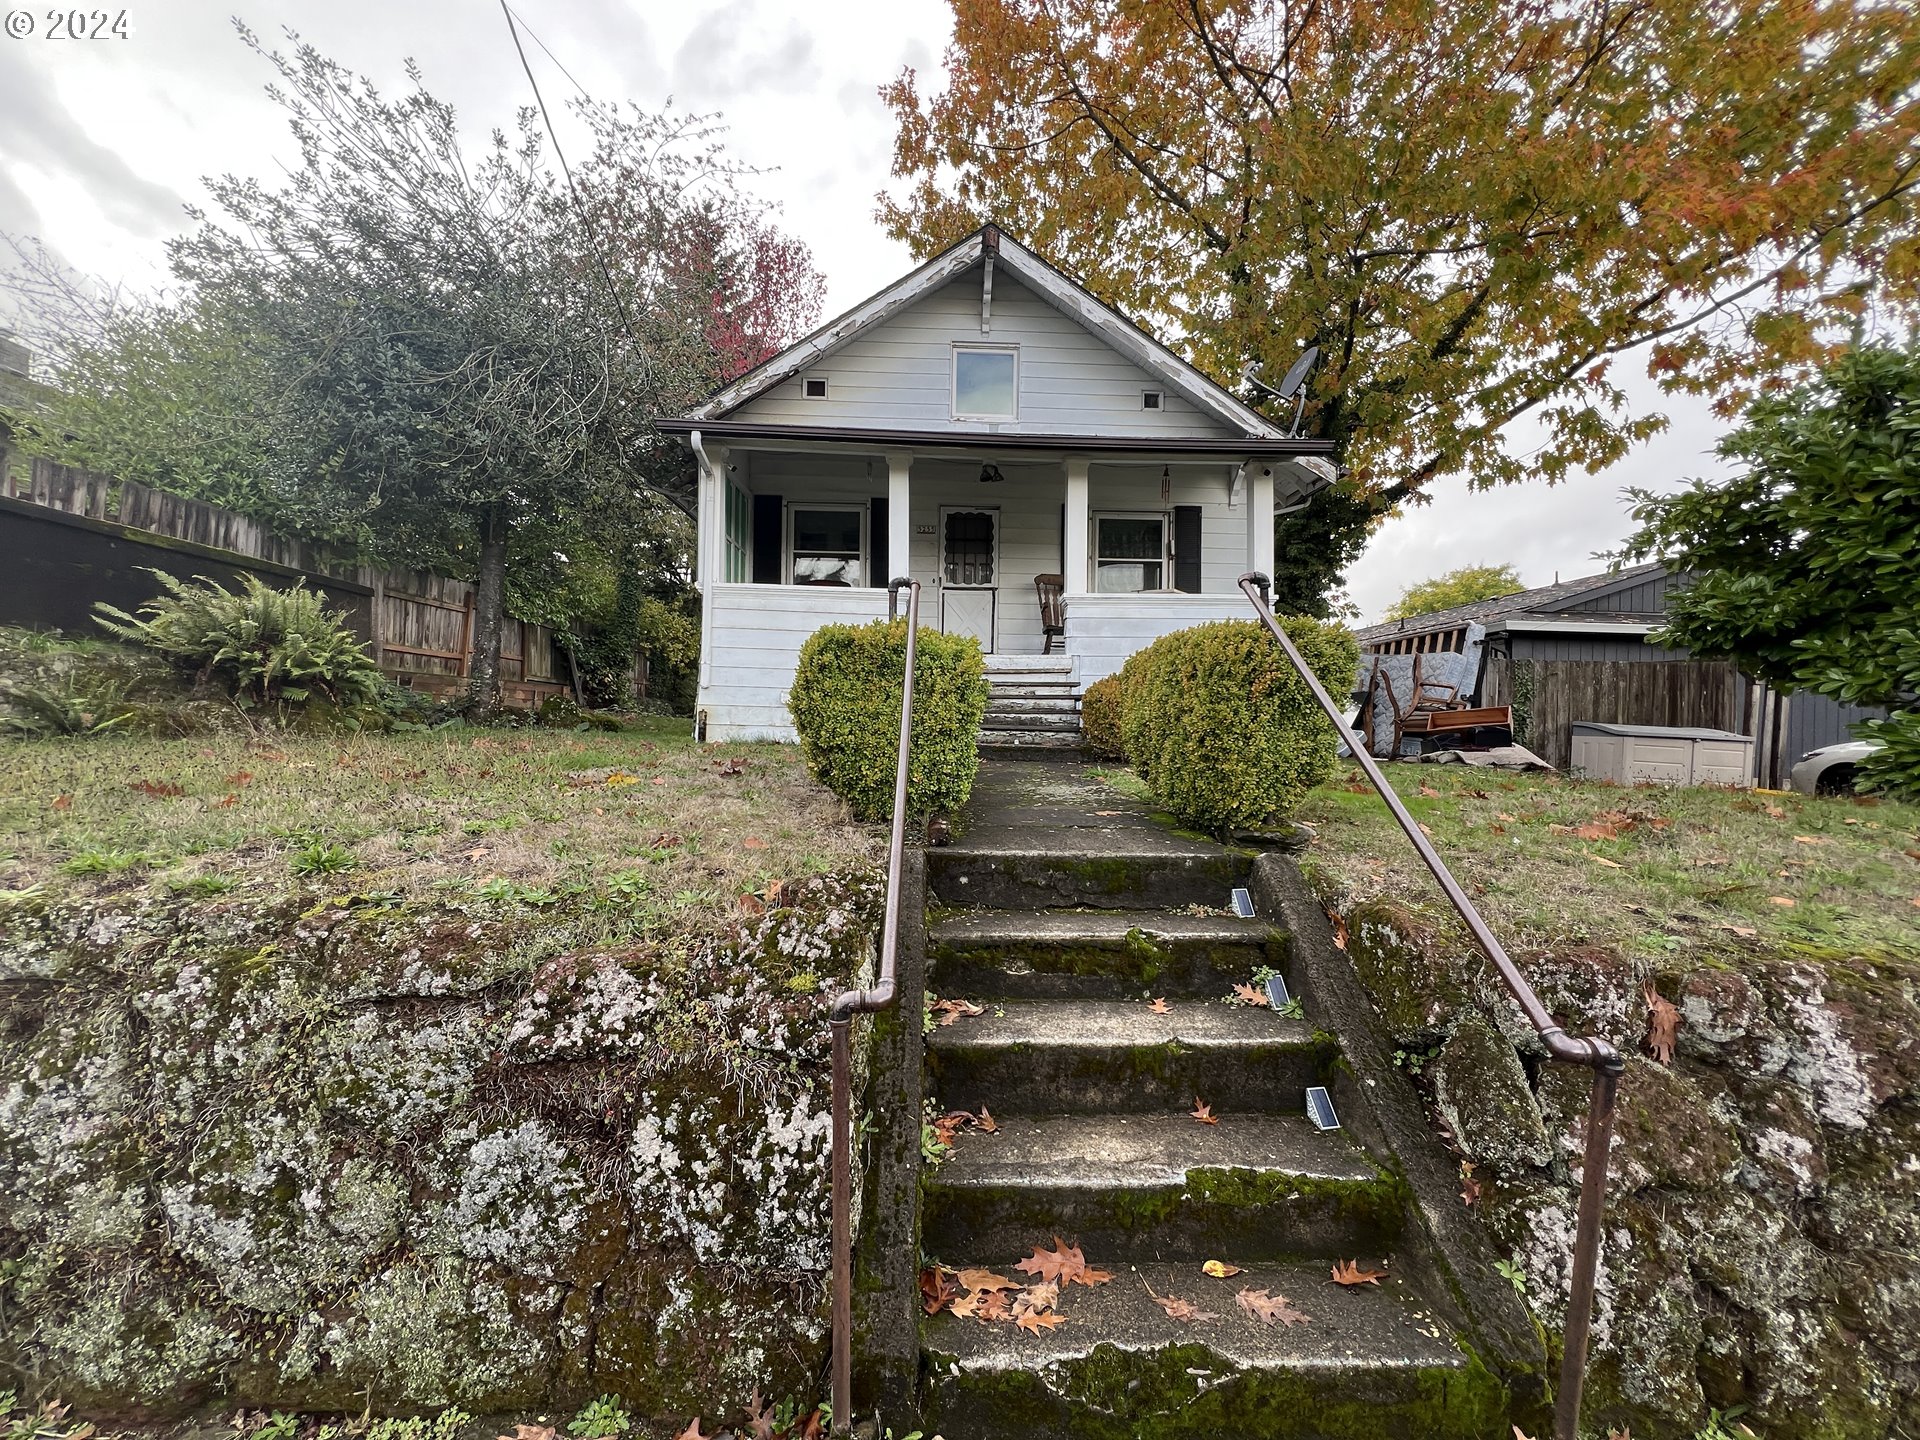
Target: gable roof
{"x":1543,"y":601}
{"x":1069,"y":298}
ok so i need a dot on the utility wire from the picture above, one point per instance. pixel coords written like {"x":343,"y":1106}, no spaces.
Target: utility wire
{"x":549,"y":53}
{"x":586,"y":224}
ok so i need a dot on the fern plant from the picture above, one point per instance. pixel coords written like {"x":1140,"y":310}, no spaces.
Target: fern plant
{"x":68,"y":703}
{"x":266,"y":645}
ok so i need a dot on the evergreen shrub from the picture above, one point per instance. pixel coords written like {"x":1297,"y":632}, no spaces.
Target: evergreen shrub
{"x":1100,"y":719}
{"x":845,"y":703}
{"x":1221,"y":729}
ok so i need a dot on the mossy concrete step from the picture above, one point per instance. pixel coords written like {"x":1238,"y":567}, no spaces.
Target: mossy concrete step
{"x":1125,"y":872}
{"x":1117,"y":1056}
{"x":1099,"y":953}
{"x":1160,"y":1187}
{"x":1367,"y":1364}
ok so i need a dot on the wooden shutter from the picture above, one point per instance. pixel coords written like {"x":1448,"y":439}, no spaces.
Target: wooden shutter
{"x":769,"y":526}
{"x":1186,"y":548}
{"x":877,"y":540}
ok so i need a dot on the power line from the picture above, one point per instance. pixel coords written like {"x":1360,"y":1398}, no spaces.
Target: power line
{"x":549,"y":54}
{"x":586,"y":225}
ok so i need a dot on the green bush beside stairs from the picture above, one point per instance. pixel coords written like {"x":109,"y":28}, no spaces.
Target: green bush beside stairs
{"x":845,"y":703}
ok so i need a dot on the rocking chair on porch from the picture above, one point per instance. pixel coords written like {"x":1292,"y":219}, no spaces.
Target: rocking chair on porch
{"x":1053,"y":609}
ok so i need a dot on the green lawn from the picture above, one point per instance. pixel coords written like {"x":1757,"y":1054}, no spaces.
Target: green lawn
{"x":1649,"y":870}
{"x":640,"y":826}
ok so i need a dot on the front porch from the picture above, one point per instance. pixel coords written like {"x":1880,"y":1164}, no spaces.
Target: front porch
{"x":795,"y":538}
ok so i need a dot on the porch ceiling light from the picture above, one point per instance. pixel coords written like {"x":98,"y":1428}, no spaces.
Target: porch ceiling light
{"x":990,"y":475}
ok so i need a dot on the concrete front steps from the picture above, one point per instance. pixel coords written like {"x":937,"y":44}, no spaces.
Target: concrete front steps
{"x":1062,"y":910}
{"x":1033,"y":704}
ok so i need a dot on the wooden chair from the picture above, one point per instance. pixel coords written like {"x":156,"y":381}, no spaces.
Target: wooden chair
{"x":1052,"y":590}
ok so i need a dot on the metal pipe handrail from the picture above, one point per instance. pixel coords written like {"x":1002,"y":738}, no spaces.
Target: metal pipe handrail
{"x":840,"y":1024}
{"x":1592,"y":1051}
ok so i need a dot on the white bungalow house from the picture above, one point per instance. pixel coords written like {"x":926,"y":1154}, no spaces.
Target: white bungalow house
{"x":979,"y":424}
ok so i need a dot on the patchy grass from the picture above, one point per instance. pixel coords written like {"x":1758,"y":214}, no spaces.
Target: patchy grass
{"x":642,"y":826}
{"x":1651,"y":871}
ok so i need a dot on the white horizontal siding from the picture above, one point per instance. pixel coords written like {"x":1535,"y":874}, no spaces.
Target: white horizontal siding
{"x":900,"y":374}
{"x":1103,"y":630}
{"x":756,"y":635}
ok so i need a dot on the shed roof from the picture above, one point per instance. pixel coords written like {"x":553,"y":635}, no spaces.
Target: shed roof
{"x":1542,"y":602}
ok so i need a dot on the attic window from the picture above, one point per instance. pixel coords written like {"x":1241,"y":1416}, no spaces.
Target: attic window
{"x":1151,"y":400}
{"x":814,"y":387}
{"x":986,"y":382}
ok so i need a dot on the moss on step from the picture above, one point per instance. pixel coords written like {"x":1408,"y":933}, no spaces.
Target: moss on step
{"x":1184,"y":1392}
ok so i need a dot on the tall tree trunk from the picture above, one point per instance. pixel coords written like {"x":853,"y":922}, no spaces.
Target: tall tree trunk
{"x":489,"y":615}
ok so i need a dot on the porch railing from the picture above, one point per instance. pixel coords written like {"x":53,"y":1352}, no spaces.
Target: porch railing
{"x":840,"y":1024}
{"x":1593,"y":1052}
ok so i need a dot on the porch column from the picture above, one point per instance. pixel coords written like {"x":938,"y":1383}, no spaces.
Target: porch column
{"x":899,"y":517}
{"x":709,"y":545}
{"x":1073,"y":558}
{"x":1260,"y":517}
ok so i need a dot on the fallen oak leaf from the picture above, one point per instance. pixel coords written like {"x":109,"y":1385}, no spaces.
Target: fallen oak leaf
{"x":980,"y":1278}
{"x":1348,"y":1272}
{"x":1219,"y":1269}
{"x":1184,"y":1312}
{"x":1663,"y":1024}
{"x":1269,"y":1308}
{"x":985,"y":1122}
{"x":1784,"y":902}
{"x":937,"y":1289}
{"x":1203,"y":1112}
{"x":1035,"y":1321}
{"x":1161,"y":1007}
{"x":1035,"y":1299}
{"x":1745,"y":932}
{"x":952,"y":1010}
{"x":63,"y":802}
{"x":531,"y":1432}
{"x":1603,"y":860}
{"x":1062,"y":1265}
{"x":993,"y":1306}
{"x":760,"y":1422}
{"x":693,"y":1431}
{"x":752,"y":842}
{"x":1251,"y":995}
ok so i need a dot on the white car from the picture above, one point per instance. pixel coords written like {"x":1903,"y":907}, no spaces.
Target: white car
{"x":1831,"y":769}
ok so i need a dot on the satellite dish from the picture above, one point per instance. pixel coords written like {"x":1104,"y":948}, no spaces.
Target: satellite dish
{"x":1289,"y":388}
{"x":1298,"y":374}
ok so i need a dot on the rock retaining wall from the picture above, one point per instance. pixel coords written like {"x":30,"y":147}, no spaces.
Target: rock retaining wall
{"x":339,"y":1154}
{"x":1763,"y":1239}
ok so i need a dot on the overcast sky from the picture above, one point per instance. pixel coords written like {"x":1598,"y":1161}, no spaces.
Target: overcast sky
{"x":103,"y":142}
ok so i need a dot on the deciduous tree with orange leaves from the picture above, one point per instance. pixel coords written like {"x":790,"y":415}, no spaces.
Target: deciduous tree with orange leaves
{"x":1473,"y":207}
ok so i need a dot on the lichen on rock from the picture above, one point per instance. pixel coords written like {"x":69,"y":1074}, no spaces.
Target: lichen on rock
{"x":1764,"y":1210}
{"x":316,"y":1155}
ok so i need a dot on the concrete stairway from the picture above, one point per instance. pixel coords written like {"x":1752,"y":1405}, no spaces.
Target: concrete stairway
{"x":1033,"y":703}
{"x":1063,"y":909}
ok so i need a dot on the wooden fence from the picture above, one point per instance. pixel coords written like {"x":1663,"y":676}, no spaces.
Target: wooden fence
{"x":69,"y":537}
{"x":1548,"y":696}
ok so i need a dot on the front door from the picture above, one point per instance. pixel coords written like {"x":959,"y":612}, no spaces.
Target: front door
{"x":969,"y":572}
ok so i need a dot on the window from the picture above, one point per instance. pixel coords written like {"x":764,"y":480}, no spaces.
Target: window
{"x":814,"y":387}
{"x":1150,"y":400}
{"x":827,"y":544}
{"x":1129,"y":553}
{"x":986,"y":382}
{"x":739,"y":566}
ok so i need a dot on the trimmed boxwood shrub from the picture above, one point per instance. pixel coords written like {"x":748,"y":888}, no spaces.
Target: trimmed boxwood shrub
{"x":1222,"y":730}
{"x":1100,"y":719}
{"x":845,"y":703}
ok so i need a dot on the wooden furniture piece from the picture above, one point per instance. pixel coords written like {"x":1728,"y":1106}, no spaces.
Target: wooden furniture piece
{"x":1052,"y":590}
